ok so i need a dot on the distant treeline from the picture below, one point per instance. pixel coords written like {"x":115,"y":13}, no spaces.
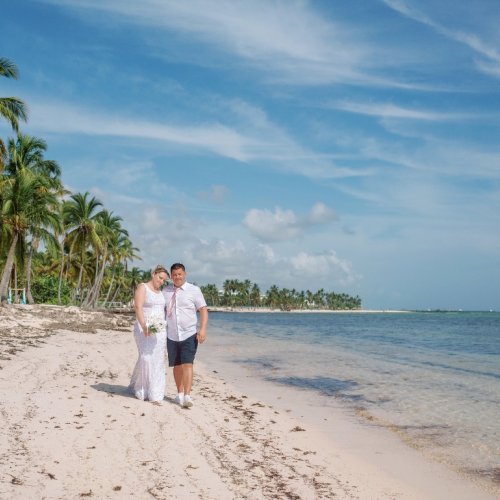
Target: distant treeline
{"x":237,"y":293}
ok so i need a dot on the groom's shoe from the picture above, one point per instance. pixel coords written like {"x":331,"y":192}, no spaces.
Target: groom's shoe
{"x":188,"y":402}
{"x":179,"y":399}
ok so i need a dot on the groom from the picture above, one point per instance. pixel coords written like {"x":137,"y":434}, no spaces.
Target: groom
{"x":184,"y":301}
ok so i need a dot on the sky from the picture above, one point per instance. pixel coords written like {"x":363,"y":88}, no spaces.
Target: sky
{"x":350,"y":146}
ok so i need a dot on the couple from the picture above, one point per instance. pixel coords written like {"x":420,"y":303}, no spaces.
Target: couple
{"x":167,"y":318}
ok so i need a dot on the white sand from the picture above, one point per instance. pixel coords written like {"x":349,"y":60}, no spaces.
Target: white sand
{"x":69,"y":429}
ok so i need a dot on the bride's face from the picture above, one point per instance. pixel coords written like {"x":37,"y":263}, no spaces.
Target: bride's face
{"x":159,"y":279}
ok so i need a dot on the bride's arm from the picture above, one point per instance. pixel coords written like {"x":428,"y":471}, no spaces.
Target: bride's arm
{"x":140,"y":295}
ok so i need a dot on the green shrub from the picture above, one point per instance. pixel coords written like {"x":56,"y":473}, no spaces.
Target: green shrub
{"x":44,"y":290}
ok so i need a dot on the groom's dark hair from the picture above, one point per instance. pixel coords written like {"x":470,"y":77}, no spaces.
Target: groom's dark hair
{"x":177,"y":265}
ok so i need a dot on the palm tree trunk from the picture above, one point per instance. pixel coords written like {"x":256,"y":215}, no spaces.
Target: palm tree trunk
{"x":79,"y":283}
{"x":16,"y":297}
{"x":90,"y":294}
{"x":116,"y":293}
{"x":100,"y":279}
{"x":68,"y":266}
{"x":94,"y":292}
{"x":29,"y":297}
{"x":110,"y":288}
{"x":35,"y":242}
{"x":61,"y":272}
{"x":7,"y":270}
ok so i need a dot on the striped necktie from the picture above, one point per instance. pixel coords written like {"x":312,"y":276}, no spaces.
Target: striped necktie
{"x":171,"y":305}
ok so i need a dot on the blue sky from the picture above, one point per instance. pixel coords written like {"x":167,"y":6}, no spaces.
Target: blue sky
{"x":351,"y":146}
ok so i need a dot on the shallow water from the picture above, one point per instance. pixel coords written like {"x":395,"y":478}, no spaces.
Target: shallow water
{"x":432,"y":377}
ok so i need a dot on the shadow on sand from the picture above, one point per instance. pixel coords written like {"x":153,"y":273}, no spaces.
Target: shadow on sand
{"x":123,"y":390}
{"x":113,"y":389}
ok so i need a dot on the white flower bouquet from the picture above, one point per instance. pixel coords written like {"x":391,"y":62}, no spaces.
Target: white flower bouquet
{"x":156,"y":324}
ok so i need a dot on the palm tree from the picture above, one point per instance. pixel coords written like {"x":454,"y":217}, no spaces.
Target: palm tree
{"x":28,"y":202}
{"x":61,"y":239}
{"x":80,"y":215}
{"x":122,"y":281}
{"x":273,"y":296}
{"x":26,"y":153}
{"x":109,"y":230}
{"x":125,"y":251}
{"x":244,"y":292}
{"x":230,"y":288}
{"x":255,"y":295}
{"x":24,"y":164}
{"x":319,"y":298}
{"x":211,"y":294}
{"x":12,"y":109}
{"x":122,"y":250}
{"x":135,"y":276}
{"x":42,"y":228}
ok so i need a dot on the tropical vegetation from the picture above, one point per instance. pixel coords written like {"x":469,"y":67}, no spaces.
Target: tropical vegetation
{"x":12,"y":109}
{"x":55,"y":246}
{"x":245,"y":294}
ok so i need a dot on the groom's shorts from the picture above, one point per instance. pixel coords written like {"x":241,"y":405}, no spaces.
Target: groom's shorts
{"x":180,"y":353}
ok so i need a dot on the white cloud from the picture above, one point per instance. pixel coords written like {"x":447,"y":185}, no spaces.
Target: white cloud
{"x":252,"y":139}
{"x":275,"y":38}
{"x":216,"y":260}
{"x":223,"y":252}
{"x":321,"y":214}
{"x":384,"y":110}
{"x":490,"y":68}
{"x":433,"y":154}
{"x":328,"y":264}
{"x":282,"y":224}
{"x":471,"y":40}
{"x":268,"y":254}
{"x":272,"y":226}
{"x":69,"y":119}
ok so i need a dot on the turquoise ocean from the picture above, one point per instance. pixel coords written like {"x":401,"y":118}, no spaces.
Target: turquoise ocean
{"x":432,"y":377}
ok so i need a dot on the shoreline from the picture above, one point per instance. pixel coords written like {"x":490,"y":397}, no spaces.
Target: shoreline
{"x":268,"y":310}
{"x":361,"y":449}
{"x":64,"y":374}
{"x":276,"y":381}
{"x":226,"y":309}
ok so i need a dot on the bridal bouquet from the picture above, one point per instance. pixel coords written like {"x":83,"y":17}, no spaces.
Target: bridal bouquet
{"x":156,"y":324}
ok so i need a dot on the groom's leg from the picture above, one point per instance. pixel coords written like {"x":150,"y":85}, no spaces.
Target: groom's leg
{"x":178,"y":377}
{"x":190,"y":345}
{"x":187,"y":377}
{"x":174,"y":360}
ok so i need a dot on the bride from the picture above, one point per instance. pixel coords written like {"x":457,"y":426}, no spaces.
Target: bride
{"x":148,"y":377}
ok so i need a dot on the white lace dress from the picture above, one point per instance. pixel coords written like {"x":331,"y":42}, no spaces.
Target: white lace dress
{"x":148,"y":377}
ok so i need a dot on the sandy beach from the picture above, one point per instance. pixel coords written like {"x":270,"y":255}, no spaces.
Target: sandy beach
{"x":69,"y":428}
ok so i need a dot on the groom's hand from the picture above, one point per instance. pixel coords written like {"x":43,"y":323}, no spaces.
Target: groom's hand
{"x":201,"y":336}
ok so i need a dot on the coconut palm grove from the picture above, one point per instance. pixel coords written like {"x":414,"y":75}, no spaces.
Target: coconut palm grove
{"x":59,"y":247}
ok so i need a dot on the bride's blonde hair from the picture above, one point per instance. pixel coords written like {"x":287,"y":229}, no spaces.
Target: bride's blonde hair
{"x":160,"y":269}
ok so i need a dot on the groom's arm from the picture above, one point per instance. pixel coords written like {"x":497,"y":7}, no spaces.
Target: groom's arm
{"x":202,"y":332}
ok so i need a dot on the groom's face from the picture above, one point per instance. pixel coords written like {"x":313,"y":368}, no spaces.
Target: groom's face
{"x":178,"y":277}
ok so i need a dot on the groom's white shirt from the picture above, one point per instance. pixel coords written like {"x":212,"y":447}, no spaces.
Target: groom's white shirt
{"x":182,"y":319}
